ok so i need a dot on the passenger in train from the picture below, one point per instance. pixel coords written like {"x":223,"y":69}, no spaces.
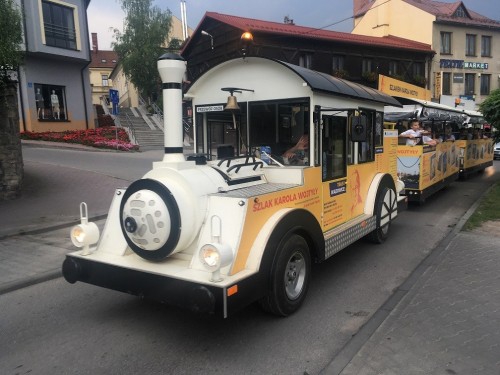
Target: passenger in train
{"x":463,"y":134}
{"x":298,"y":153}
{"x":448,"y":135}
{"x":429,"y":139}
{"x":412,"y":135}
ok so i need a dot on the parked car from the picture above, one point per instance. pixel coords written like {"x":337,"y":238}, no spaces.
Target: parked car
{"x":497,"y":151}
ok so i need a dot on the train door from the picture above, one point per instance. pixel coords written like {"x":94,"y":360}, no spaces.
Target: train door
{"x":334,"y":170}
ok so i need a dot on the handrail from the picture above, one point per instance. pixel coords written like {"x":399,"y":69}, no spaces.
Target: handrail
{"x":158,"y":111}
{"x":129,"y":128}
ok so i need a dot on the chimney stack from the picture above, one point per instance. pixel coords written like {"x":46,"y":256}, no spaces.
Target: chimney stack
{"x":95,"y":46}
{"x":172,"y":68}
{"x":358,"y":5}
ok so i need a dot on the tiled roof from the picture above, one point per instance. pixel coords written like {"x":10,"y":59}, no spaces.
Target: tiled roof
{"x":443,"y":12}
{"x":254,"y":25}
{"x":103,"y":59}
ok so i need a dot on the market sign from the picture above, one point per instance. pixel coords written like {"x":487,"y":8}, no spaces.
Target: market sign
{"x":461,"y":64}
{"x":394,"y":87}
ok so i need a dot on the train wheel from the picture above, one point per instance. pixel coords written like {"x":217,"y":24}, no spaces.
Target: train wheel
{"x":289,"y":277}
{"x":385,"y":206}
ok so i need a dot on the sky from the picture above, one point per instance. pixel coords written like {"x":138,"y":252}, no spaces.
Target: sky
{"x":105,"y":15}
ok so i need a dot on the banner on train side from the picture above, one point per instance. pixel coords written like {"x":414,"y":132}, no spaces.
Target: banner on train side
{"x":422,"y":167}
{"x":402,"y":89}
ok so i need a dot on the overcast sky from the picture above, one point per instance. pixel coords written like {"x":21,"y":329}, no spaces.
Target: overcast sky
{"x":104,"y":15}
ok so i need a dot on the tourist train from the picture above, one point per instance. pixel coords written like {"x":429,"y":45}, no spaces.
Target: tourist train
{"x":289,"y":167}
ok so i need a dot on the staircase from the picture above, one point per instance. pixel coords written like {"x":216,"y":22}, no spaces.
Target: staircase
{"x":146,"y":132}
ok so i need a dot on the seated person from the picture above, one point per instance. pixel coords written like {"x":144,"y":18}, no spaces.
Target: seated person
{"x":413,"y":134}
{"x":298,"y":154}
{"x":428,"y":140}
{"x":448,"y":135}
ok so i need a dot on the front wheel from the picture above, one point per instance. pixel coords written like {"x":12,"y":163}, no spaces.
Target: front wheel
{"x":386,"y":206}
{"x":290,"y":274}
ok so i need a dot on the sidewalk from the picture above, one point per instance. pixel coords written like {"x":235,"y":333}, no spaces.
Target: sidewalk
{"x":447,"y":320}
{"x":34,"y":228}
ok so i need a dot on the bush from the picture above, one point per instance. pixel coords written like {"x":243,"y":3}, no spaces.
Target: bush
{"x":107,"y":137}
{"x":105,"y":120}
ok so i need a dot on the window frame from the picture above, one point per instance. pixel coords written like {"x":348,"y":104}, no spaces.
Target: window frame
{"x":470,"y":45}
{"x":485,"y":84}
{"x":59,"y":35}
{"x":486,"y":47}
{"x":469,"y":80}
{"x":446,"y":43}
{"x":446,"y":83}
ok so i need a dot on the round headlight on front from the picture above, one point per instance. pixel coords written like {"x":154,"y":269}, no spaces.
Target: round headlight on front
{"x":84,"y":234}
{"x":214,"y":256}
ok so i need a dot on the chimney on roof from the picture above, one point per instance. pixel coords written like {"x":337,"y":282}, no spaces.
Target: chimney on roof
{"x":95,"y":46}
{"x":358,"y":5}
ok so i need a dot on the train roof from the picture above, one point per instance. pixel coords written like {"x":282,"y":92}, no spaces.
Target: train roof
{"x":275,"y":79}
{"x":423,"y":110}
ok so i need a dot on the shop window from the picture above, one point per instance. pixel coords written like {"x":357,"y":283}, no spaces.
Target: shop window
{"x":445,"y":43}
{"x":485,"y":84}
{"x":486,"y":46}
{"x":446,"y":87}
{"x":59,"y":24}
{"x":469,"y":83}
{"x":50,"y":102}
{"x":470,"y":45}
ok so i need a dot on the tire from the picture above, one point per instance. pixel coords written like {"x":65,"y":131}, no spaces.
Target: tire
{"x":385,"y":204}
{"x":289,"y":279}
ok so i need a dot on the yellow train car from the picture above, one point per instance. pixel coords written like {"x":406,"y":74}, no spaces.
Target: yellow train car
{"x":290,"y":169}
{"x":432,"y":161}
{"x":476,"y":147}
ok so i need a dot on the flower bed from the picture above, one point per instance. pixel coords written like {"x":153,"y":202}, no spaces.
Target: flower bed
{"x":108,"y":137}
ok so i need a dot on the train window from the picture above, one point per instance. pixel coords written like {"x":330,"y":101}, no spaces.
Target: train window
{"x":334,"y":147}
{"x":362,"y":151}
{"x":278,"y":125}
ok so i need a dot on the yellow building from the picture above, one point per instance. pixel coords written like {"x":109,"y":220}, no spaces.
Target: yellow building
{"x":100,"y":68}
{"x":467,"y":44}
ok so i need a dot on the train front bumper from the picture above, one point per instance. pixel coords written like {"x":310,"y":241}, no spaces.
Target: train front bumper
{"x":220,"y":300}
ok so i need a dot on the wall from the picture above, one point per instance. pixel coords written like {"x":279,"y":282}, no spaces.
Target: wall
{"x":55,"y":72}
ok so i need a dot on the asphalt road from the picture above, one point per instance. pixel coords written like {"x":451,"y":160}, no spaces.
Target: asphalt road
{"x":58,"y":328}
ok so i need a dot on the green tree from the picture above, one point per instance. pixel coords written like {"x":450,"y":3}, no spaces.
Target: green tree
{"x":142,"y":42}
{"x":490,"y":108}
{"x":11,"y":54}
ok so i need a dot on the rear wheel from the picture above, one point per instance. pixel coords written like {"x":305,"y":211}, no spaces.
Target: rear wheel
{"x":386,"y":205}
{"x":289,"y":277}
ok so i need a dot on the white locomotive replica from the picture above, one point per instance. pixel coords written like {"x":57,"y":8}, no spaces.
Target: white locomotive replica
{"x":241,"y":220}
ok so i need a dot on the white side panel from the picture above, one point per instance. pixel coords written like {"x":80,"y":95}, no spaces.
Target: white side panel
{"x":112,"y":240}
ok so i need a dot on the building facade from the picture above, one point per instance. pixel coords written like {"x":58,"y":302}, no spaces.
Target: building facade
{"x":127,"y":92}
{"x":103,"y":63}
{"x":357,"y":58}
{"x":466,"y":66}
{"x":54,"y":87}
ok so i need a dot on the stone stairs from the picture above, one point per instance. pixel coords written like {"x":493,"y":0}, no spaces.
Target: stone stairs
{"x":148,"y":135}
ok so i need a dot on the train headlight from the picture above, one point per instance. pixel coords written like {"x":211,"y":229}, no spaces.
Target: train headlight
{"x":84,"y":234}
{"x":214,"y":256}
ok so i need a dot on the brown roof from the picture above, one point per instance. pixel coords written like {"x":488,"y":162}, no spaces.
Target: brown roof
{"x":254,"y":25}
{"x":103,"y":59}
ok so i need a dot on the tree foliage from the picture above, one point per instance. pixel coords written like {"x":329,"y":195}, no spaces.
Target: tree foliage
{"x":141,"y":43}
{"x":11,"y":53}
{"x":490,"y":108}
